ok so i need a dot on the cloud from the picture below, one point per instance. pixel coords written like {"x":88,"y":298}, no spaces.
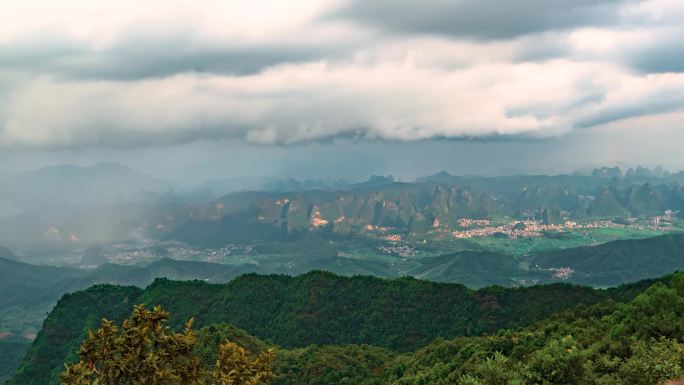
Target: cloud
{"x":636,"y":97}
{"x":136,"y":40}
{"x":481,"y":19}
{"x":647,"y":38}
{"x":139,"y":58}
{"x":135,"y":74}
{"x":319,"y":101}
{"x":661,"y":56}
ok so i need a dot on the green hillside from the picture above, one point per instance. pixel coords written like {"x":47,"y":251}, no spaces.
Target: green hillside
{"x":472,"y":268}
{"x":619,"y":261}
{"x":21,"y":283}
{"x":28,"y":292}
{"x":316,"y":308}
{"x":638,"y":343}
{"x":329,"y":364}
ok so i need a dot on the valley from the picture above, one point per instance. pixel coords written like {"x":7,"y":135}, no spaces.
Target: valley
{"x":488,"y":239}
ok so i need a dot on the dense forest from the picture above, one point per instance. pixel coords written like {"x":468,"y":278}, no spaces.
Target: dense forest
{"x":640,"y":342}
{"x":309,"y":313}
{"x":608,"y":343}
{"x":620,"y":261}
{"x":637,"y":343}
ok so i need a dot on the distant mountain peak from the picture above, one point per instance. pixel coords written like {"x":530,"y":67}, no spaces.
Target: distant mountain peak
{"x":6,"y":253}
{"x":607,"y":172}
{"x":381,"y":178}
{"x":65,"y":184}
{"x":111,"y":166}
{"x":441,"y":176}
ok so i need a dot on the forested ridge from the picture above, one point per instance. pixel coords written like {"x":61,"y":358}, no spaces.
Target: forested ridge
{"x":302,"y":313}
{"x":637,"y":343}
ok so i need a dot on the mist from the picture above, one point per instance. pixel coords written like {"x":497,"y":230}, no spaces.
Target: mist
{"x":186,"y":165}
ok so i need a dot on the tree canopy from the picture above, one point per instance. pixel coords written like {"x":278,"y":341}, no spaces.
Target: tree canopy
{"x":145,"y":351}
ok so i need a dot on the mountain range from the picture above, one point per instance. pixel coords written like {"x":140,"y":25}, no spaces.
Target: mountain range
{"x":69,"y":185}
{"x":416,"y":208}
{"x":69,"y":207}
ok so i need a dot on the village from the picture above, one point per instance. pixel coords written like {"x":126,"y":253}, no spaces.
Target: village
{"x":534,"y":228}
{"x":150,"y":250}
{"x":528,"y":228}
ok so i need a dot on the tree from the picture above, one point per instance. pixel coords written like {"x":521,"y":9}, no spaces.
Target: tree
{"x":145,"y":351}
{"x":560,"y":362}
{"x":235,"y":367}
{"x":653,"y":362}
{"x":496,"y":370}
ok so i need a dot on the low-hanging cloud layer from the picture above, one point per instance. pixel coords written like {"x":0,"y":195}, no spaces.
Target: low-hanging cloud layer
{"x":135,"y":73}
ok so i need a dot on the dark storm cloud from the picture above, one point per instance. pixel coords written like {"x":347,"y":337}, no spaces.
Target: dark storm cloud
{"x":541,"y":47}
{"x":481,"y":19}
{"x":138,"y":58}
{"x":129,"y":74}
{"x":653,"y":105}
{"x":627,"y":112}
{"x":659,"y":56}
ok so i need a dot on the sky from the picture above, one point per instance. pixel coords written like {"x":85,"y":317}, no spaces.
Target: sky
{"x":341,"y":88}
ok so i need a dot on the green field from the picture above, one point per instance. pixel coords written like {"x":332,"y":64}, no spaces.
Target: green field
{"x":375,"y":256}
{"x":555,"y":241}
